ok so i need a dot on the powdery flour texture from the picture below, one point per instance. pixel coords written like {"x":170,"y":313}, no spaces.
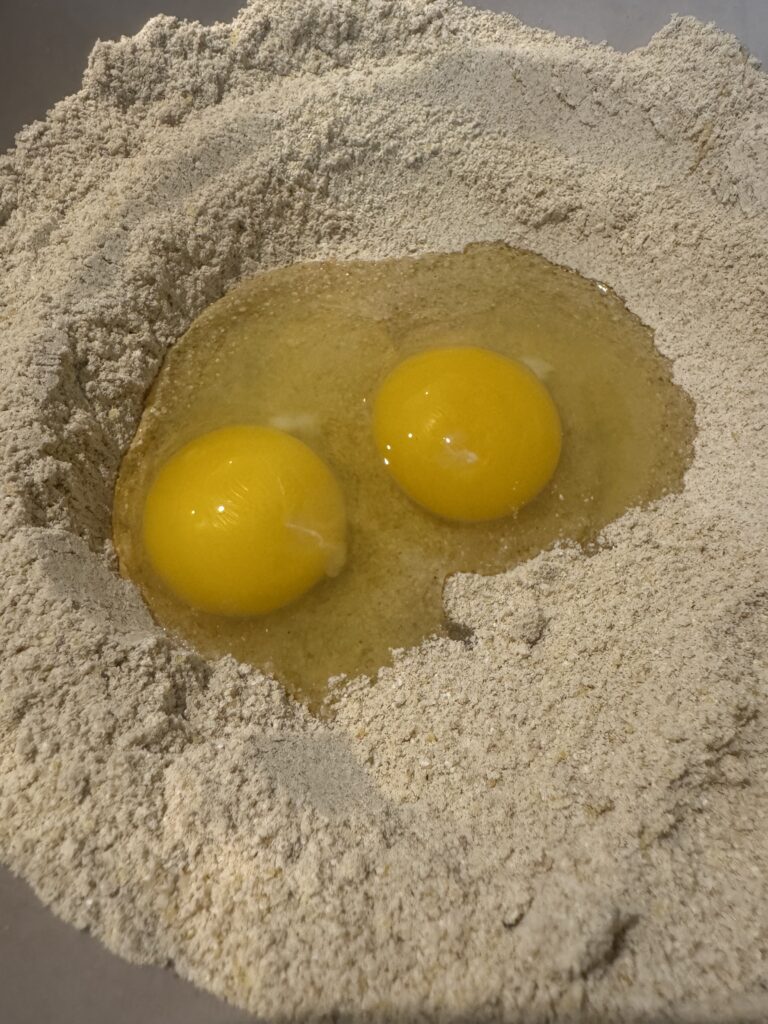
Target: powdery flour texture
{"x":563,"y":816}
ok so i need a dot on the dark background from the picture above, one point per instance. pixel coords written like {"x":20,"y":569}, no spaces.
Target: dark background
{"x":50,"y":973}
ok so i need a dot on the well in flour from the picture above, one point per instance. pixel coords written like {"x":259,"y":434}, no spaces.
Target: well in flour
{"x":305,"y":350}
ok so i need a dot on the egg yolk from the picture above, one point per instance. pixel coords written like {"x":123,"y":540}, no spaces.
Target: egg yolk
{"x":468,"y":434}
{"x":244,"y":520}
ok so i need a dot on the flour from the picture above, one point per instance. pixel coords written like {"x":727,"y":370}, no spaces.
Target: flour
{"x":563,"y":814}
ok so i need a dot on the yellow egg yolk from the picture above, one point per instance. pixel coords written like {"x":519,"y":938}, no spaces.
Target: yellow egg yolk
{"x":244,"y":520}
{"x":468,"y":434}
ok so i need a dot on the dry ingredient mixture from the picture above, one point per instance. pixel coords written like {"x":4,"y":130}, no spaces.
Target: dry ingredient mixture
{"x":561,"y":816}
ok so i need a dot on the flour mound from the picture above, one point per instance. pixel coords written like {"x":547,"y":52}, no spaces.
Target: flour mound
{"x":565,"y":814}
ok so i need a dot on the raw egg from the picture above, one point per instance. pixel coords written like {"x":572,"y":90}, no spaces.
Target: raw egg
{"x":244,"y":520}
{"x":467,"y":433}
{"x":306,"y":349}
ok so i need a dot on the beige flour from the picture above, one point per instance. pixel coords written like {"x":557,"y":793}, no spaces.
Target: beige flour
{"x":564,"y":816}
